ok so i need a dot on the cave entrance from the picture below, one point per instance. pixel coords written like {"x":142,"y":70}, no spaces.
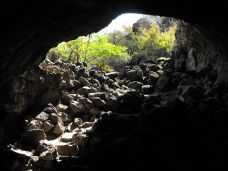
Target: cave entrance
{"x":104,"y":94}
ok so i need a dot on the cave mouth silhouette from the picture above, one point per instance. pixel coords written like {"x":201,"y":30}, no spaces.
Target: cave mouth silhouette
{"x":171,"y":133}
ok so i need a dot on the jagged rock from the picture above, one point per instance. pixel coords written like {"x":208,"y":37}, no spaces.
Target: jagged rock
{"x":58,"y":129}
{"x":42,"y":116}
{"x":135,"y":75}
{"x":47,"y":126}
{"x":147,"y":89}
{"x":61,"y":108}
{"x":78,"y":121}
{"x":34,"y":136}
{"x":67,"y":150}
{"x":83,"y":81}
{"x":34,"y":124}
{"x":135,"y":85}
{"x":98,"y":102}
{"x":113,"y":75}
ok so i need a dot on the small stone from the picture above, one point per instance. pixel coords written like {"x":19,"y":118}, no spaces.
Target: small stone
{"x":42,"y":116}
{"x":35,"y":135}
{"x":67,"y":150}
{"x":58,"y":129}
{"x":47,"y":126}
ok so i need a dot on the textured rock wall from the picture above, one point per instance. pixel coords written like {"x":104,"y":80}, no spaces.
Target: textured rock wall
{"x":200,"y":52}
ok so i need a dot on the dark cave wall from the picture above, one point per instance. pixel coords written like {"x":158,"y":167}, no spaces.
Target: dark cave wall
{"x":31,"y":28}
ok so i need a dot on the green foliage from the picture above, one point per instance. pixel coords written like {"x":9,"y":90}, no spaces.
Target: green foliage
{"x":148,"y":43}
{"x":105,"y":51}
{"x":94,"y":50}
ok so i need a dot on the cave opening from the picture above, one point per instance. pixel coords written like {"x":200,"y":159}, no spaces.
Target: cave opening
{"x":90,"y":105}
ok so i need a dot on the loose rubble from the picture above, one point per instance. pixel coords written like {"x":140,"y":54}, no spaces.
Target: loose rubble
{"x":87,"y":96}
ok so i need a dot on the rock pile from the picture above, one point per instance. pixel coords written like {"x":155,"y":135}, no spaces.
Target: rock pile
{"x":89,"y":99}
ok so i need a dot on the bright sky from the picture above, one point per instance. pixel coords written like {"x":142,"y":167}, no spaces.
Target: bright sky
{"x":122,"y":20}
